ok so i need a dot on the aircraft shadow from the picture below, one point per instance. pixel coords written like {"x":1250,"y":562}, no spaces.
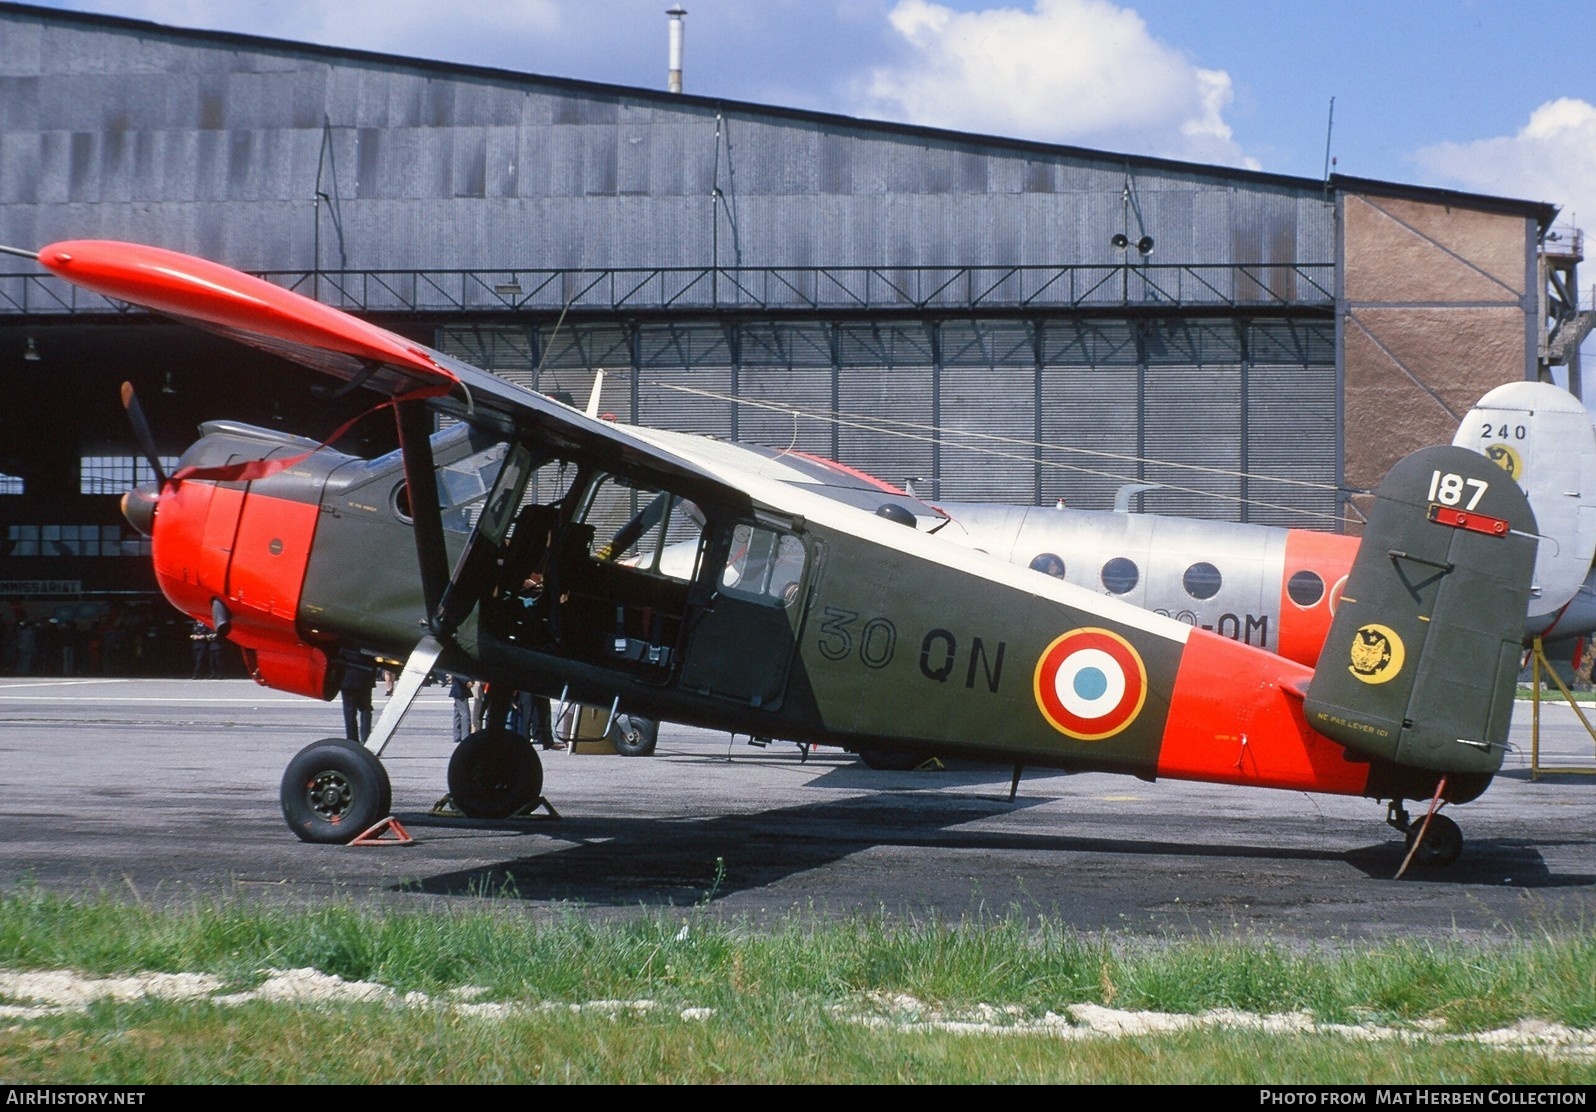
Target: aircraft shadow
{"x":672,"y":863}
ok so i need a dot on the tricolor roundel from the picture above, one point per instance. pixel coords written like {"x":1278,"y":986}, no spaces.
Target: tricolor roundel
{"x":1090,"y":684}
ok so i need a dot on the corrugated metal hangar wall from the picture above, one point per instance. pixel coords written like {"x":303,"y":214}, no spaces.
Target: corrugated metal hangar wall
{"x":1030,"y":321}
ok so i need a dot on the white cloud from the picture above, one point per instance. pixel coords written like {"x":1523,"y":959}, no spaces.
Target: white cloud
{"x":1551,"y":158}
{"x":1083,"y":72}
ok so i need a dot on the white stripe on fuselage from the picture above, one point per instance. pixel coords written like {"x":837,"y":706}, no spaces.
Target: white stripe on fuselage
{"x":792,"y":499}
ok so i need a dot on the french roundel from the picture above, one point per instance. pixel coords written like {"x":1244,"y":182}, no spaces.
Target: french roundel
{"x":1090,"y":684}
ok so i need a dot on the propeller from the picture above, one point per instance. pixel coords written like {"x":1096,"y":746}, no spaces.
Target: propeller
{"x":141,"y":432}
{"x":138,"y":505}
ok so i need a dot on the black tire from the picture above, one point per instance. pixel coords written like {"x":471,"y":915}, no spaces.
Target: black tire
{"x":333,"y":790}
{"x":494,"y":773}
{"x":891,"y":760}
{"x":633,"y":736}
{"x":1442,"y":844}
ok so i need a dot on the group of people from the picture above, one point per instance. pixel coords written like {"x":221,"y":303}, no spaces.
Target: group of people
{"x":529,"y":715}
{"x":95,"y":639}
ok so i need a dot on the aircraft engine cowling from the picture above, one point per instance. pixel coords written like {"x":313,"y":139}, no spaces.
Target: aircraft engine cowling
{"x":245,"y":546}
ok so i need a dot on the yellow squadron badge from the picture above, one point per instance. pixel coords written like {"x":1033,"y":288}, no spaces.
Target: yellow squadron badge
{"x":1507,"y":458}
{"x":1377,"y":654}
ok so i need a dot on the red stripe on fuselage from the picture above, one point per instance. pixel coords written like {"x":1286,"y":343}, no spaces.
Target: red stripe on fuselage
{"x":1329,"y":556}
{"x":270,"y":555}
{"x":1232,"y":721}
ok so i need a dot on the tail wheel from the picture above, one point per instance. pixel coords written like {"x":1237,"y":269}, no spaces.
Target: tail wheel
{"x":332,"y":790}
{"x":634,"y":736}
{"x":1442,"y":843}
{"x":494,"y":773}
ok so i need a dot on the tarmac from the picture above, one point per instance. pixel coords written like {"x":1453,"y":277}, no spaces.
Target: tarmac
{"x":167,"y":790}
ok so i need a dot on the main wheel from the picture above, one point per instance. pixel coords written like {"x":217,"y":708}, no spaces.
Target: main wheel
{"x":494,"y":773}
{"x":891,"y":760}
{"x":1442,"y":842}
{"x":332,"y":790}
{"x":633,"y":736}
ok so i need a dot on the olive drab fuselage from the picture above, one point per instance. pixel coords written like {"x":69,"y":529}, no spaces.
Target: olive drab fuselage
{"x":540,"y":549}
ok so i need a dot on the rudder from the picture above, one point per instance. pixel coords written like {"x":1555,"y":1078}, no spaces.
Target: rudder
{"x":1423,"y":654}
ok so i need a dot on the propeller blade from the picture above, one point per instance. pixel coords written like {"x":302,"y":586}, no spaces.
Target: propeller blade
{"x":141,"y":432}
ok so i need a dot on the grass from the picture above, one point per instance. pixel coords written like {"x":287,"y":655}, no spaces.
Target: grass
{"x":1552,"y":695}
{"x":784,"y":1004}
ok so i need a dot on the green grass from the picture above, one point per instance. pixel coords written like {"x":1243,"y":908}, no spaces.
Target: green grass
{"x":1550,"y":694}
{"x":785,"y":1001}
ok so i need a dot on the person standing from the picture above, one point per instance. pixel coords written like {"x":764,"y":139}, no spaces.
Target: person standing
{"x":200,"y":638}
{"x":355,"y":690}
{"x":460,"y":692}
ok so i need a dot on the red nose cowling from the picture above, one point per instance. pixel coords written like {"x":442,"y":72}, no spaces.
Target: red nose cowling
{"x":249,"y":550}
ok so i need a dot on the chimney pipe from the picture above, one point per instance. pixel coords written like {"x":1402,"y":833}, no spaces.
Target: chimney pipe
{"x":678,"y":30}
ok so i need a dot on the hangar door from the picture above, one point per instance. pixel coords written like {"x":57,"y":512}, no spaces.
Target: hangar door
{"x":1227,"y":419}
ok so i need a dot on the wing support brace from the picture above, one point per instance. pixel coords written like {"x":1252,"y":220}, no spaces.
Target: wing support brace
{"x":421,"y":477}
{"x":405,"y":690}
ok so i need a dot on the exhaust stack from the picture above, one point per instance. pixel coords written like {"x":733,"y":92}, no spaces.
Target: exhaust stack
{"x":673,"y":82}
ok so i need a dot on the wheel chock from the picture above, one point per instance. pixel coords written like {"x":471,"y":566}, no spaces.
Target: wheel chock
{"x":531,"y":810}
{"x":374,"y":834}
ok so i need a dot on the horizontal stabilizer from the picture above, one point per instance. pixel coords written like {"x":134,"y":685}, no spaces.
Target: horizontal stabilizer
{"x":1423,"y":653}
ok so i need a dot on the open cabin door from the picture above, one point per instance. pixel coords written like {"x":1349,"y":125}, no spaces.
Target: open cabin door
{"x":740,"y":645}
{"x":649,"y":585}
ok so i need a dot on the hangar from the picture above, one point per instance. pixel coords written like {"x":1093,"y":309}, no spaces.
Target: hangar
{"x":985,"y":317}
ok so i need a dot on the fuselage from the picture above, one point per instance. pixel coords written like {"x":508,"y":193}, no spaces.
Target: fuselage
{"x":1269,"y":587}
{"x":797,"y":616}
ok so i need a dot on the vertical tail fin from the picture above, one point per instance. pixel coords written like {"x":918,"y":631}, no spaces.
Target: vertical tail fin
{"x":1541,"y":435}
{"x":1423,"y":653}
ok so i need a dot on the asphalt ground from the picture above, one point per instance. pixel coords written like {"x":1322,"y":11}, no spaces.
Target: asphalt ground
{"x":167,"y":790}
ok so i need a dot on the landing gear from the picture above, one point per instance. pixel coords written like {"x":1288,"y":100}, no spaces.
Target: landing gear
{"x":633,"y":736}
{"x":494,"y":773}
{"x":1443,"y":840}
{"x":333,"y":790}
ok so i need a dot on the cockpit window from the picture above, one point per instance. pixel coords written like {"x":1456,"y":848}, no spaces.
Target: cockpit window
{"x":645,"y":528}
{"x":464,"y":484}
{"x":763,"y":565}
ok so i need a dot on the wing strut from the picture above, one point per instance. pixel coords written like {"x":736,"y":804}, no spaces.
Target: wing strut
{"x":417,"y":668}
{"x":421,"y":478}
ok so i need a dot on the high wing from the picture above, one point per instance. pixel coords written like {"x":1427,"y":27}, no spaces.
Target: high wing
{"x":702,"y":583}
{"x":256,"y":312}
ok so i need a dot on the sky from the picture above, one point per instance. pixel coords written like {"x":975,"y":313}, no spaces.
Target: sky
{"x":1486,"y":96}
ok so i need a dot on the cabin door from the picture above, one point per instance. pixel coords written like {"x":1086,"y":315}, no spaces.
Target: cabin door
{"x":740,"y":645}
